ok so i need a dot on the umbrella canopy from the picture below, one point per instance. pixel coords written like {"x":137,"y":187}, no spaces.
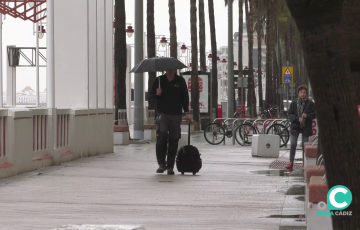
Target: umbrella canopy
{"x":157,"y":64}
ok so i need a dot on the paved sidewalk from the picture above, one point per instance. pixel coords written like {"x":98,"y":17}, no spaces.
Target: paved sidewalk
{"x":123,"y":189}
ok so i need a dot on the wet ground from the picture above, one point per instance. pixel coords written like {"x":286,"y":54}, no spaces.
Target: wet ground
{"x":232,"y":191}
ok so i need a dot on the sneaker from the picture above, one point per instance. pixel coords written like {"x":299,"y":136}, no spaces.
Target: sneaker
{"x":290,"y":166}
{"x":161,"y":169}
{"x":170,"y":171}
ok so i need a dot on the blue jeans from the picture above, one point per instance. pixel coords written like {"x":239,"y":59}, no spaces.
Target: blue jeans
{"x":293,"y":144}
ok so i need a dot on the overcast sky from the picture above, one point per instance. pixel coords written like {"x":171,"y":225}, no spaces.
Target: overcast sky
{"x":20,"y":33}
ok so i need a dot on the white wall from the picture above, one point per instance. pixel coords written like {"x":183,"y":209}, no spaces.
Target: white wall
{"x":71,"y":68}
{"x":92,"y":55}
{"x":101,"y":52}
{"x":90,"y":133}
{"x":83,"y":53}
{"x":109,"y":55}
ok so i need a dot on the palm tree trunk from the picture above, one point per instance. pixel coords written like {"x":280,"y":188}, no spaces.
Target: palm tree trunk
{"x":194,"y":60}
{"x":287,"y":43}
{"x":202,"y":36}
{"x":275,"y":76}
{"x":351,"y":11}
{"x":251,"y":90}
{"x":336,"y":100}
{"x":120,"y":56}
{"x":240,"y":48}
{"x":214,"y":80}
{"x":259,"y":38}
{"x":268,"y":97}
{"x":151,"y":49}
{"x":173,"y":36}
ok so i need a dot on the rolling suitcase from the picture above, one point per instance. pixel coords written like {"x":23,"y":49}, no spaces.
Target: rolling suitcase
{"x":188,"y":158}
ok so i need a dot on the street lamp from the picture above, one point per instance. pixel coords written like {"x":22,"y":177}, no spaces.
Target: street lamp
{"x":163,"y":41}
{"x":183,"y":48}
{"x":224,"y":61}
{"x":129,"y":31}
{"x":209,"y":57}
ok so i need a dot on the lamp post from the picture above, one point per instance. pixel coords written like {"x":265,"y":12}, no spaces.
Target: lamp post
{"x":139,"y":77}
{"x":231,"y":91}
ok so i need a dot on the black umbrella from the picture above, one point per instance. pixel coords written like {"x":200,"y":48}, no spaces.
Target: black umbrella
{"x":158,"y":64}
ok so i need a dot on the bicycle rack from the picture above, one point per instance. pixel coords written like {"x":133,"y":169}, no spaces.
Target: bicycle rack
{"x":246,"y":120}
{"x":257,"y":120}
{"x":233,"y":126}
{"x":233,"y":130}
{"x":270,"y":121}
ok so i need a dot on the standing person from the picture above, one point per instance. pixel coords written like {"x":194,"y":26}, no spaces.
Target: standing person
{"x":301,"y":113}
{"x":172,"y":98}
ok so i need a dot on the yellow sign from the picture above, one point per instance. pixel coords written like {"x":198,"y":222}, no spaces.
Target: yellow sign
{"x":287,"y":75}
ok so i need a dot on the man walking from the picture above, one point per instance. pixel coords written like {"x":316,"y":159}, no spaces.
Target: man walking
{"x":172,"y":97}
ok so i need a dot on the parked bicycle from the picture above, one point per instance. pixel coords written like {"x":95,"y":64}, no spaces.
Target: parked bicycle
{"x":216,"y":132}
{"x":247,"y":130}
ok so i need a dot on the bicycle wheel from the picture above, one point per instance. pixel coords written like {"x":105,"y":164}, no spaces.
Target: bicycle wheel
{"x":214,"y":133}
{"x":282,"y":131}
{"x":245,"y":131}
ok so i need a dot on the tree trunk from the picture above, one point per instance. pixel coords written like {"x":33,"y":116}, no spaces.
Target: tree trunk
{"x":151,"y":48}
{"x":351,"y":11}
{"x":214,"y":80}
{"x":120,"y":56}
{"x":259,"y":38}
{"x":173,"y":36}
{"x":240,"y":48}
{"x":326,"y":54}
{"x":202,"y":35}
{"x":287,"y":43}
{"x":251,"y":86}
{"x":268,"y":95}
{"x":194,"y":61}
{"x":276,"y":77}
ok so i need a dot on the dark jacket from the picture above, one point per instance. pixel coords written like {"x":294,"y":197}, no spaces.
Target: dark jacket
{"x":174,"y":98}
{"x":294,"y":118}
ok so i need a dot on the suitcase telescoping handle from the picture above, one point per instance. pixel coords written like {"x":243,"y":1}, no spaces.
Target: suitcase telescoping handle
{"x":189,"y":133}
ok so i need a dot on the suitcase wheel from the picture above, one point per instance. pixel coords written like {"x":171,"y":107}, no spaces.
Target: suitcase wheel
{"x":182,"y":173}
{"x":194,"y":173}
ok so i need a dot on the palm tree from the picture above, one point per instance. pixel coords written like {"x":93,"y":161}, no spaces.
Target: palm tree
{"x":202,"y":35}
{"x":240,"y":51}
{"x":270,"y":42}
{"x":329,"y":54}
{"x":260,"y":17}
{"x":353,"y":41}
{"x":251,"y":87}
{"x":120,"y":56}
{"x":173,"y":36}
{"x":214,"y":82}
{"x":194,"y":60}
{"x":151,"y":49}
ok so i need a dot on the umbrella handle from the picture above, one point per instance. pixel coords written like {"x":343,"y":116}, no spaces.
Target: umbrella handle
{"x":159,"y":82}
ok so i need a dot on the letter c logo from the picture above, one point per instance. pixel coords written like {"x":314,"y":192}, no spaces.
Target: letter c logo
{"x":343,"y":195}
{"x":332,"y":198}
